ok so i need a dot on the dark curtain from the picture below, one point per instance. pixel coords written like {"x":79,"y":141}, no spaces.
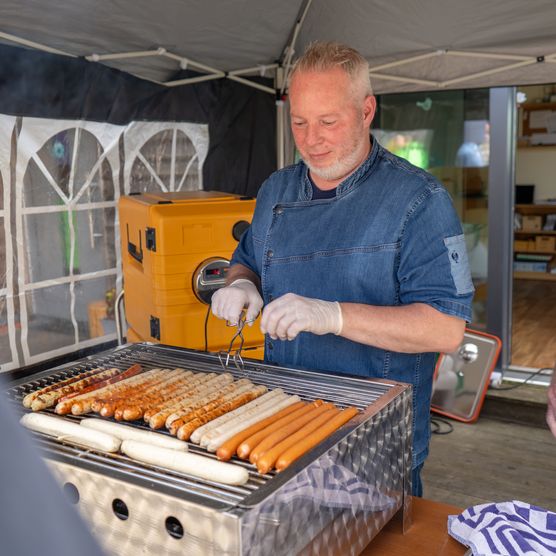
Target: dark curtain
{"x":242,"y":120}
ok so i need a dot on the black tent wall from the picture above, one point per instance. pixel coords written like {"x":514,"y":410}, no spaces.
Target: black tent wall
{"x":241,"y":119}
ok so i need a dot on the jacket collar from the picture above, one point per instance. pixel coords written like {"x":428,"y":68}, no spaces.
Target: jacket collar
{"x":350,"y":183}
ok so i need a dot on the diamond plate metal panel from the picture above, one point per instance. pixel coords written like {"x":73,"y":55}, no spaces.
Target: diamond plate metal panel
{"x":338,"y":503}
{"x":205,"y":532}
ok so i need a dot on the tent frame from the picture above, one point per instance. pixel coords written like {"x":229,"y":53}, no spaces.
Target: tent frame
{"x":212,"y":73}
{"x":281,"y":71}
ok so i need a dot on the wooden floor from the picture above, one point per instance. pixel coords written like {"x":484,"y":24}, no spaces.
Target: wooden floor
{"x":534,"y":324}
{"x":492,"y":461}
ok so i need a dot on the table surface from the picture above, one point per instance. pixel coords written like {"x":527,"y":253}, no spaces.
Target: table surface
{"x":428,"y":534}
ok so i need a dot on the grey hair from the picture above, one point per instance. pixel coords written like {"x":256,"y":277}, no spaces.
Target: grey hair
{"x":323,"y":56}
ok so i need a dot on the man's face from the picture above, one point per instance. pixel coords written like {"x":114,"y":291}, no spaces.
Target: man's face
{"x":330,"y":124}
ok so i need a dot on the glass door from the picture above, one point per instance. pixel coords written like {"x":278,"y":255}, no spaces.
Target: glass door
{"x":448,"y":134}
{"x":534,"y":246}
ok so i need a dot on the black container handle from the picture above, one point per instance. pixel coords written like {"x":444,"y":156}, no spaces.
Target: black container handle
{"x":132,"y":248}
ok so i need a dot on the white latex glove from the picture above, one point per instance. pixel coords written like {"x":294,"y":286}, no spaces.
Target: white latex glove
{"x":287,"y":316}
{"x":228,"y":302}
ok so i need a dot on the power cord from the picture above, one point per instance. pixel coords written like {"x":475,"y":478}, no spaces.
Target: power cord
{"x":519,"y":384}
{"x":441,"y":426}
{"x":206,"y":325}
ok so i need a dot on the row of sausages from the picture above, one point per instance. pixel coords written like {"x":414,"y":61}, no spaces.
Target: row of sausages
{"x":148,"y":447}
{"x":278,"y":440}
{"x":228,"y":417}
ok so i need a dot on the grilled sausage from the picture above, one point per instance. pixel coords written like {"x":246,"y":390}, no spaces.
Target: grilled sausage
{"x":47,"y":400}
{"x":216,"y":408}
{"x":71,"y":432}
{"x":269,"y":397}
{"x":137,"y":396}
{"x":185,"y":430}
{"x":187,"y":399}
{"x":121,"y":375}
{"x":277,"y":434}
{"x":193,"y":398}
{"x":215,"y":438}
{"x":130,"y":392}
{"x":194,"y":382}
{"x":207,"y":403}
{"x":312,"y":439}
{"x":29,"y":398}
{"x":134,"y":405}
{"x":125,"y":432}
{"x":83,"y":403}
{"x":247,"y":445}
{"x":266,"y":461}
{"x":184,"y":462}
{"x":207,"y":392}
{"x":171,"y":388}
{"x":228,"y":448}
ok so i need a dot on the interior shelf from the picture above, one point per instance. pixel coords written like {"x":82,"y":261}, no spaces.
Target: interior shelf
{"x":541,"y":233}
{"x":521,"y":275}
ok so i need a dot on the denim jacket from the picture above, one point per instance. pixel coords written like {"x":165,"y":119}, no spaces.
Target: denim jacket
{"x":390,"y":237}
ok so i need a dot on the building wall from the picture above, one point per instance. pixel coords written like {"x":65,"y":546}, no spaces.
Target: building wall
{"x":537,"y":165}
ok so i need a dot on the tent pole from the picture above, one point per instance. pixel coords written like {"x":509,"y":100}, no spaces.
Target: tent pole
{"x":251,"y":84}
{"x":402,"y":79}
{"x":281,"y":81}
{"x":122,"y":55}
{"x":35,"y":45}
{"x":280,"y":136}
{"x":407,"y":60}
{"x":489,"y":72}
{"x":523,"y":61}
{"x":190,"y":80}
{"x":491,"y":55}
{"x":290,"y":48}
{"x":261,"y":68}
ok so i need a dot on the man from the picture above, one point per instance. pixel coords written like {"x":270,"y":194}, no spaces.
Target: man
{"x":551,"y":410}
{"x":359,"y":256}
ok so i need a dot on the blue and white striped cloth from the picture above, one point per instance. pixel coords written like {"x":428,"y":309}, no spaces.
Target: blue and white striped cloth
{"x":506,"y":529}
{"x":334,"y":486}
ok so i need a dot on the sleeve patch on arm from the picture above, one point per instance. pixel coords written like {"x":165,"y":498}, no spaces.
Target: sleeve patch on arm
{"x":459,"y":264}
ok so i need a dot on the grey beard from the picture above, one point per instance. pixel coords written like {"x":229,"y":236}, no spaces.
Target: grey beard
{"x":341,"y":168}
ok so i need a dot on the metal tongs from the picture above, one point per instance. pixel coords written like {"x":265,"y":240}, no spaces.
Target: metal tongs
{"x":234,"y":354}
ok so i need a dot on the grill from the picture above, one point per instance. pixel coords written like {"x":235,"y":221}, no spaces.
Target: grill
{"x":334,"y":498}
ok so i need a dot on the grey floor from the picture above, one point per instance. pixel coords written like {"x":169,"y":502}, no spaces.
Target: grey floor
{"x":492,"y":461}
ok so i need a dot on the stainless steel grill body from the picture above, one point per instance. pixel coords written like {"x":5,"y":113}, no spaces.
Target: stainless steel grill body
{"x":334,"y":499}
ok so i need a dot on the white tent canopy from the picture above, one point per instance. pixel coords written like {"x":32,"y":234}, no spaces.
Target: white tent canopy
{"x":419,"y":45}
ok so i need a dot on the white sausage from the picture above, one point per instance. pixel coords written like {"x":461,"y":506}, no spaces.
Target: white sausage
{"x":125,"y":432}
{"x":72,"y":432}
{"x":201,"y":431}
{"x":241,"y":417}
{"x":191,"y":464}
{"x":233,"y":427}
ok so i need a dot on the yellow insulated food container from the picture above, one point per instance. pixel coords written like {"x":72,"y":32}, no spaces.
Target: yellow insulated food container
{"x":175,"y":253}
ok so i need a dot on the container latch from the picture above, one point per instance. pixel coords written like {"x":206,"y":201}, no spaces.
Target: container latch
{"x":150,"y":235}
{"x":155,"y":327}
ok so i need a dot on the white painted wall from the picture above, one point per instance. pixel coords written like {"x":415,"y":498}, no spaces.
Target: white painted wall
{"x":537,"y":165}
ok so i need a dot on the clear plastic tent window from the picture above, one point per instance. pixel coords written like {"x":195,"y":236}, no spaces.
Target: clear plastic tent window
{"x":60,"y":182}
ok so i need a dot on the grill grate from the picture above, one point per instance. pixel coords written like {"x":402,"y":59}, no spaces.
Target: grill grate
{"x":308,"y":385}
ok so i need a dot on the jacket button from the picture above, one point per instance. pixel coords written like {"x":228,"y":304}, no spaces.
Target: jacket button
{"x":279,"y":210}
{"x":270,"y":253}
